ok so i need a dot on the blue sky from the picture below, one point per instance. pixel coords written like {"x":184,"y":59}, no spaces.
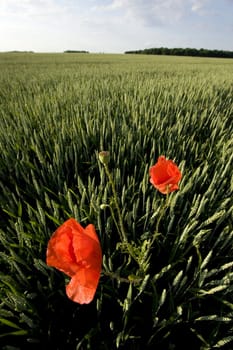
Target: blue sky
{"x":115,"y":25}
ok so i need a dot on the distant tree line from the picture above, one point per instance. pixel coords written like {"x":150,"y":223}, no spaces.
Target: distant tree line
{"x":18,"y":51}
{"x":76,"y":51}
{"x":183,"y":52}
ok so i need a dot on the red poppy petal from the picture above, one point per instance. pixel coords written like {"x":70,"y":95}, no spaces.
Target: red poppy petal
{"x":60,"y":253}
{"x":174,"y":171}
{"x":167,"y":188}
{"x":74,"y":225}
{"x":90,"y":231}
{"x":162,"y":188}
{"x":82,"y":287}
{"x":165,"y":175}
{"x":77,"y":252}
{"x":158,"y":173}
{"x":173,"y":187}
{"x":87,"y":248}
{"x":162,"y":159}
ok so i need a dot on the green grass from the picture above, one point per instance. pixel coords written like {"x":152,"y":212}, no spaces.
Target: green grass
{"x":57,"y":111}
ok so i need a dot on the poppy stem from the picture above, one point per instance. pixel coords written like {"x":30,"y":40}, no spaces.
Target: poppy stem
{"x":120,"y":227}
{"x":161,"y":214}
{"x":156,"y":233}
{"x":115,"y":222}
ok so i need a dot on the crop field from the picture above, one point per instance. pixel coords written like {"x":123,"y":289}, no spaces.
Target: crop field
{"x":167,"y":271}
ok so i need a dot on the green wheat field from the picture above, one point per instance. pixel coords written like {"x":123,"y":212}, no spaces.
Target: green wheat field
{"x":57,"y":112}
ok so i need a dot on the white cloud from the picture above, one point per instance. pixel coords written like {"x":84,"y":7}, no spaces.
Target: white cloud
{"x":155,"y":12}
{"x":150,"y":12}
{"x":113,"y":25}
{"x":198,"y":6}
{"x":30,"y":7}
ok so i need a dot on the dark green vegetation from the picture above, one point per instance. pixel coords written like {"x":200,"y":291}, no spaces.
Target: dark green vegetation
{"x":75,"y":51}
{"x":177,"y":51}
{"x":56,"y":113}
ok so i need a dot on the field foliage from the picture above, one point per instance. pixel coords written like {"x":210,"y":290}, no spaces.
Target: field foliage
{"x":57,"y":111}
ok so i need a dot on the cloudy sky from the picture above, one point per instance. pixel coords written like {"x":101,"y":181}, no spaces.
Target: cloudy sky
{"x":115,"y":25}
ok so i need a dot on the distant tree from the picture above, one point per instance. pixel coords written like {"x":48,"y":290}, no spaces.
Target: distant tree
{"x":76,"y":51}
{"x":183,"y":52}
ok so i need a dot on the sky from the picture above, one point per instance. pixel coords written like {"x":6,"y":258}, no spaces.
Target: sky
{"x":115,"y":26}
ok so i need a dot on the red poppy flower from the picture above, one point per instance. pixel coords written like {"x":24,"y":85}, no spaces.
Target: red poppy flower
{"x":165,"y":175}
{"x":76,"y":251}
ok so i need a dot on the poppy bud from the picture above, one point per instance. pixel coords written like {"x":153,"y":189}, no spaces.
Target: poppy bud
{"x":104,"y":157}
{"x":103,"y":206}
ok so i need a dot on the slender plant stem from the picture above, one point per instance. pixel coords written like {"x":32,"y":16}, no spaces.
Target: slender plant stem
{"x":115,"y":222}
{"x":120,"y":227}
{"x":116,"y":202}
{"x":156,"y":233}
{"x":162,"y":213}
